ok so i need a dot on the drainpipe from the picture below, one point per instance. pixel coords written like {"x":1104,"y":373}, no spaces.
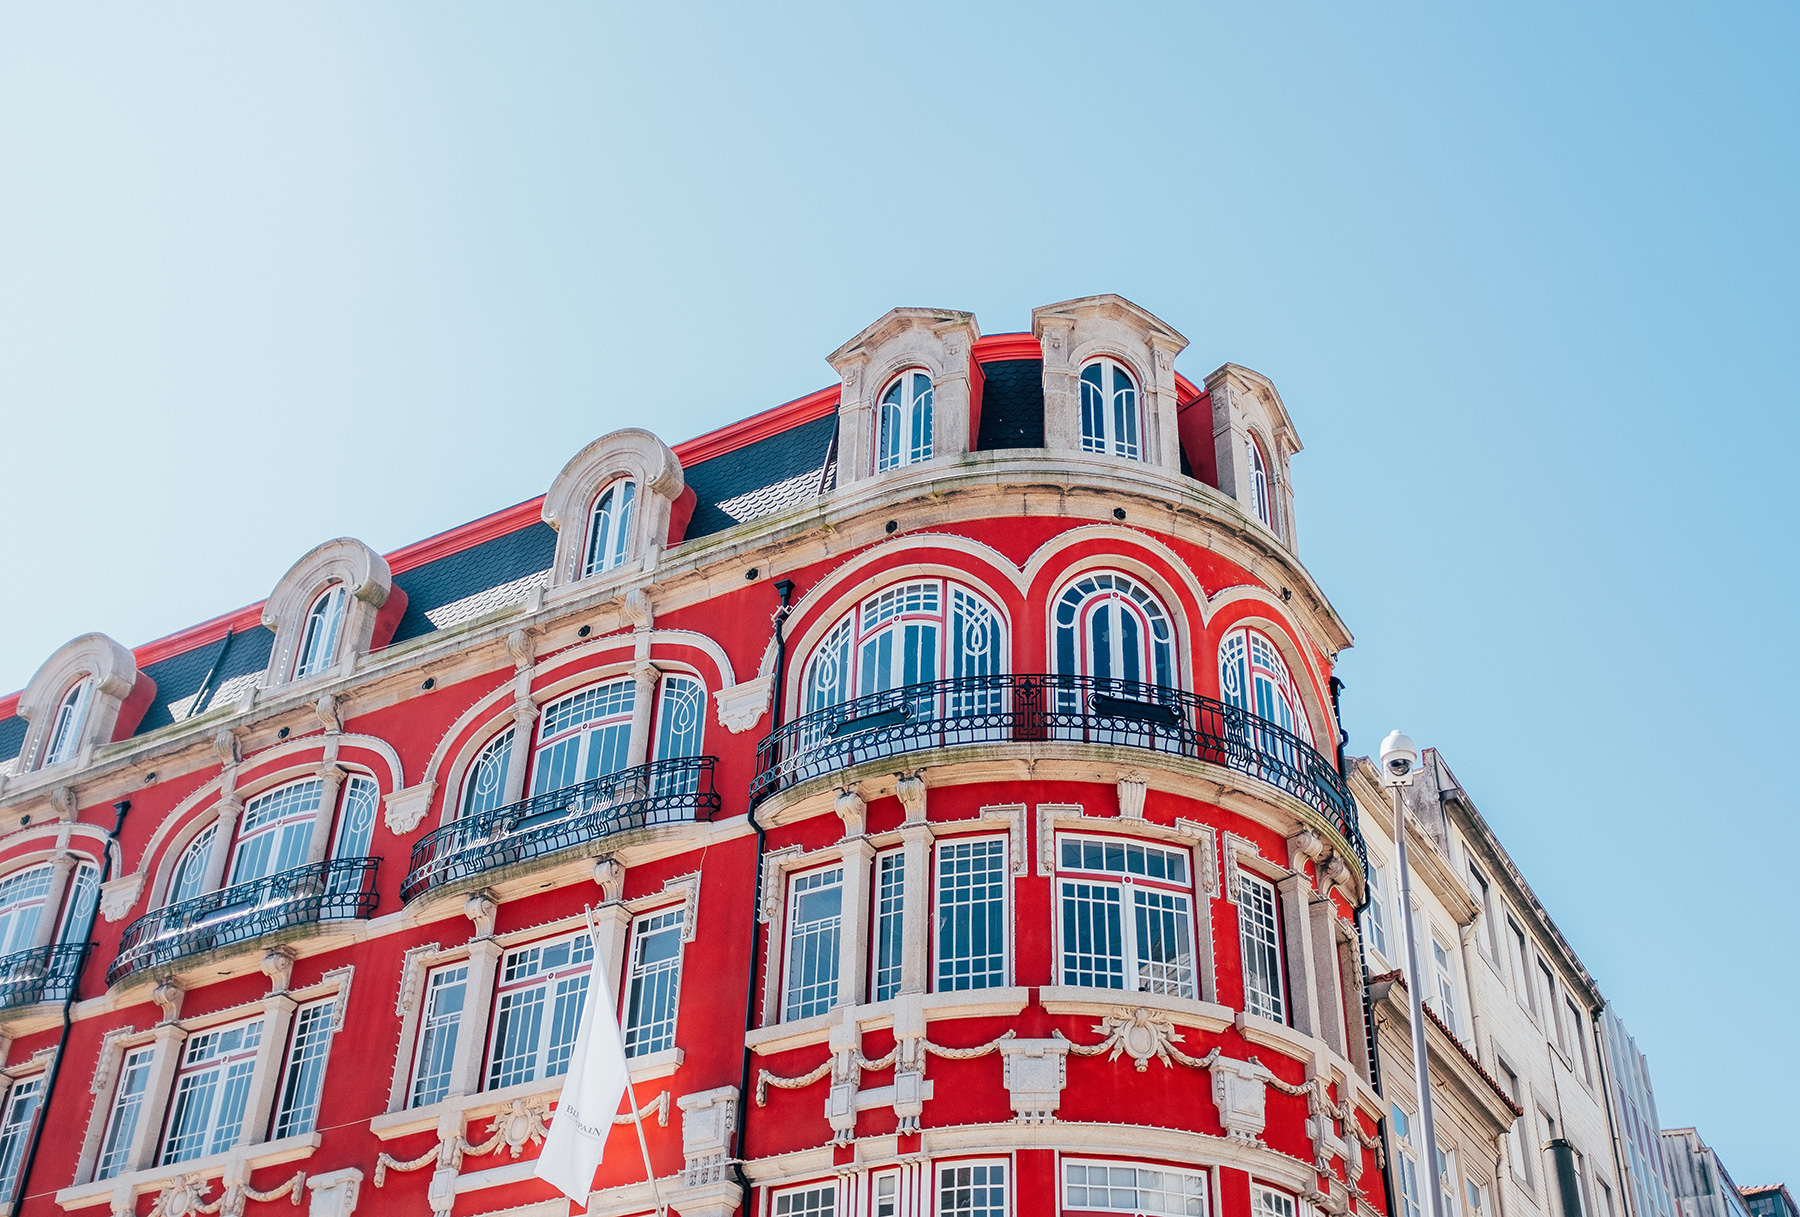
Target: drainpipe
{"x":68,"y":1020}
{"x":785,"y":588}
{"x":1337,"y":713}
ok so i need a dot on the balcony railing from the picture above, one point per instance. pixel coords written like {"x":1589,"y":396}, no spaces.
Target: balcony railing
{"x":321,"y":891}
{"x":1015,"y":708}
{"x":40,"y":973}
{"x":675,"y":791}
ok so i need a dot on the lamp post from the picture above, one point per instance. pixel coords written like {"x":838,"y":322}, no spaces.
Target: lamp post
{"x":1399,"y":764}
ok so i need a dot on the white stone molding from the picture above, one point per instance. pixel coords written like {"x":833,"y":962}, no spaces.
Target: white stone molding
{"x":939,"y":341}
{"x":1047,"y":816}
{"x":628,"y":453}
{"x":1206,"y":855}
{"x":1013,"y":817}
{"x":1241,"y":1094}
{"x":741,"y":706}
{"x":1073,"y":332}
{"x":167,"y":995}
{"x":481,"y":908}
{"x":1236,"y":849}
{"x":404,"y":809}
{"x":609,"y":876}
{"x":119,"y":896}
{"x":853,"y":811}
{"x":1245,"y":403}
{"x":1035,"y":1072}
{"x":776,"y":864}
{"x":334,"y":1193}
{"x":340,"y":998}
{"x":119,"y":692}
{"x":413,"y":966}
{"x":910,"y":790}
{"x":365,"y":576}
{"x":1133,"y":786}
{"x":278,"y":966}
{"x":708,"y":1187}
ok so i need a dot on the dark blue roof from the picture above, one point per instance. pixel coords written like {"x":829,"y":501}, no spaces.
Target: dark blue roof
{"x":449,"y":591}
{"x":12,"y":736}
{"x":1012,"y":404}
{"x":230,"y":661}
{"x":762,"y":478}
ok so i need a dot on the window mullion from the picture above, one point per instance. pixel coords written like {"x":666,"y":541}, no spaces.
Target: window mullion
{"x":265,"y":1079}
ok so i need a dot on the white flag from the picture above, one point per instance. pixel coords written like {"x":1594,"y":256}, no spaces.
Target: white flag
{"x":590,"y":1096}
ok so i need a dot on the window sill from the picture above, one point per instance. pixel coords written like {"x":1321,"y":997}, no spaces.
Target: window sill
{"x":484,"y":1103}
{"x":138,"y":1183}
{"x":1073,"y":999}
{"x":1271,"y":1034}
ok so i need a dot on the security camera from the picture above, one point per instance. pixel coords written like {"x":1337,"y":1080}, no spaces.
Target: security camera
{"x":1399,"y":758}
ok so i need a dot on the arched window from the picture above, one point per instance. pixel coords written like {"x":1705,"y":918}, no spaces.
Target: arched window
{"x":318,"y":639}
{"x":78,"y":906}
{"x":276,"y":832}
{"x":65,"y":728}
{"x":905,"y":421}
{"x":680,"y":717}
{"x":1111,"y":415}
{"x":356,"y":817}
{"x":1253,"y":677}
{"x":911,"y":634}
{"x":189,"y":879}
{"x":486,"y":784}
{"x":22,"y":899}
{"x":583,"y":736}
{"x":1259,"y":480}
{"x":1113,"y":629}
{"x":609,"y":528}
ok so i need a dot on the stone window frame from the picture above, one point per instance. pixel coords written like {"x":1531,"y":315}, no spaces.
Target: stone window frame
{"x":1199,"y":919}
{"x":369,"y":587}
{"x":939,"y":341}
{"x":1209,"y":1171}
{"x":1246,"y":405}
{"x":143,"y":1172}
{"x":835,"y":1183}
{"x":115,"y":705}
{"x":1072,"y":334}
{"x":940,"y":1164}
{"x":629,"y":453}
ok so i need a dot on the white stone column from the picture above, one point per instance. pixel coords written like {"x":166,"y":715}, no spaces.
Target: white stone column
{"x":915,"y":908}
{"x":1062,"y":391}
{"x":265,"y":1078}
{"x":1302,"y":989}
{"x":230,"y":807}
{"x":856,"y":425}
{"x":61,"y":867}
{"x":147,"y":1138}
{"x":331,"y":780}
{"x":1328,"y":983}
{"x":1161,"y":406}
{"x":853,"y":937}
{"x":644,"y":678}
{"x":484,"y":964}
{"x":950,"y":393}
{"x":518,"y":759}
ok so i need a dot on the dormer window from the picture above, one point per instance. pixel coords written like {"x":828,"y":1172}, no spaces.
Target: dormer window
{"x":318,"y":638}
{"x":609,"y":528}
{"x":65,"y":728}
{"x":1259,"y":480}
{"x":905,"y":437}
{"x":1111,"y":413}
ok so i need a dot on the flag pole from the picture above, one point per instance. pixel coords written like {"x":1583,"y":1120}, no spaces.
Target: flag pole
{"x":637,"y":1117}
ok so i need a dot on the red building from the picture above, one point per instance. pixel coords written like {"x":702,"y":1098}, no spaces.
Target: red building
{"x":947,"y":757}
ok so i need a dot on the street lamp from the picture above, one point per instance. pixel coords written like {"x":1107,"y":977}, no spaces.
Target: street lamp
{"x":1399,"y":764}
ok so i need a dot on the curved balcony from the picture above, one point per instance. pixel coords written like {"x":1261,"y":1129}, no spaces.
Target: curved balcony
{"x":335,"y":890}
{"x":1017,"y":708}
{"x":675,"y":791}
{"x":40,"y":973}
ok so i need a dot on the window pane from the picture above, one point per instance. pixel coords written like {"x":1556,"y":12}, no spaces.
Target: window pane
{"x":1165,"y":959}
{"x":655,"y":984}
{"x":972,"y":1191}
{"x":1261,"y":938}
{"x":128,"y":1101}
{"x":818,"y":1201}
{"x":15,"y":1129}
{"x":444,"y":998}
{"x":305,"y":1076}
{"x":971,"y":915}
{"x":1093,"y":945}
{"x":814,"y":925}
{"x":889,"y":900}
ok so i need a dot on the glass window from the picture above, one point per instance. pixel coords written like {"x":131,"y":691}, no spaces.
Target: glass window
{"x":276,"y":831}
{"x":584,"y":736}
{"x":655,"y":986}
{"x":814,"y":926}
{"x":1254,"y":678}
{"x":1521,"y":966}
{"x":1111,"y":417}
{"x":1548,"y":1006}
{"x":1259,"y":925}
{"x":887,"y":1196}
{"x":78,"y":908}
{"x":609,"y":529}
{"x":319,"y":636}
{"x":1267,"y":1202}
{"x":1406,"y":1166}
{"x":1117,"y":1187}
{"x":16,"y":1117}
{"x":65,"y":728}
{"x":819,"y":1200}
{"x":1516,"y":1132}
{"x":1446,"y":1181}
{"x":912,"y":634}
{"x":212,"y":1085}
{"x":303,"y":1080}
{"x":1475,"y":1197}
{"x":190,"y":872}
{"x":971,"y":914}
{"x":1126,"y":916}
{"x":486,"y":784}
{"x":976,"y":1189}
{"x":1259,"y":480}
{"x":446,"y":993}
{"x":1375,"y":915}
{"x":356,"y":818}
{"x":680,"y":716}
{"x":537,"y":1010}
{"x":905,"y":421}
{"x":1111,"y":628}
{"x":1443,"y":969}
{"x":128,"y":1104}
{"x":22,"y":899}
{"x":1578,"y":1036}
{"x":890,"y":900}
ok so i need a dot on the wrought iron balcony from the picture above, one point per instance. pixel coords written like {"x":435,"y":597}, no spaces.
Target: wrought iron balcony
{"x":1017,"y":708}
{"x":675,"y":791}
{"x":40,"y":973}
{"x":335,"y":890}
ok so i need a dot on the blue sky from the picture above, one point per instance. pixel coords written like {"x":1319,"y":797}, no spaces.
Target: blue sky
{"x":1525,"y":278}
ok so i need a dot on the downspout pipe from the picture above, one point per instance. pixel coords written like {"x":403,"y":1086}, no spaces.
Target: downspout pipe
{"x":785,"y":589}
{"x":1337,"y":714}
{"x":68,"y":1011}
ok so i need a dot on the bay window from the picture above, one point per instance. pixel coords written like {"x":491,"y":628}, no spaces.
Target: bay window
{"x":905,"y":431}
{"x":971,"y":914}
{"x":815,"y":918}
{"x":537,"y":1010}
{"x":1126,"y":914}
{"x":1259,"y":932}
{"x":1125,"y":1188}
{"x":653,"y":989}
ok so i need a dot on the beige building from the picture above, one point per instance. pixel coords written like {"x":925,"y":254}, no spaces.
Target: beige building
{"x":1524,"y":1124}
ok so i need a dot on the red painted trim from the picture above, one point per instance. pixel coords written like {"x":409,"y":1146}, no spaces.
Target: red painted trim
{"x":759,"y":426}
{"x":1186,"y":391}
{"x":466,"y":536}
{"x":248,"y":617}
{"x":1007,"y":346}
{"x":9,"y":705}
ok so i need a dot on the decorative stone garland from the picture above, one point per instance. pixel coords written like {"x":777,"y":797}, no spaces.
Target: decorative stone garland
{"x":182,"y":1196}
{"x":765,"y":1079}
